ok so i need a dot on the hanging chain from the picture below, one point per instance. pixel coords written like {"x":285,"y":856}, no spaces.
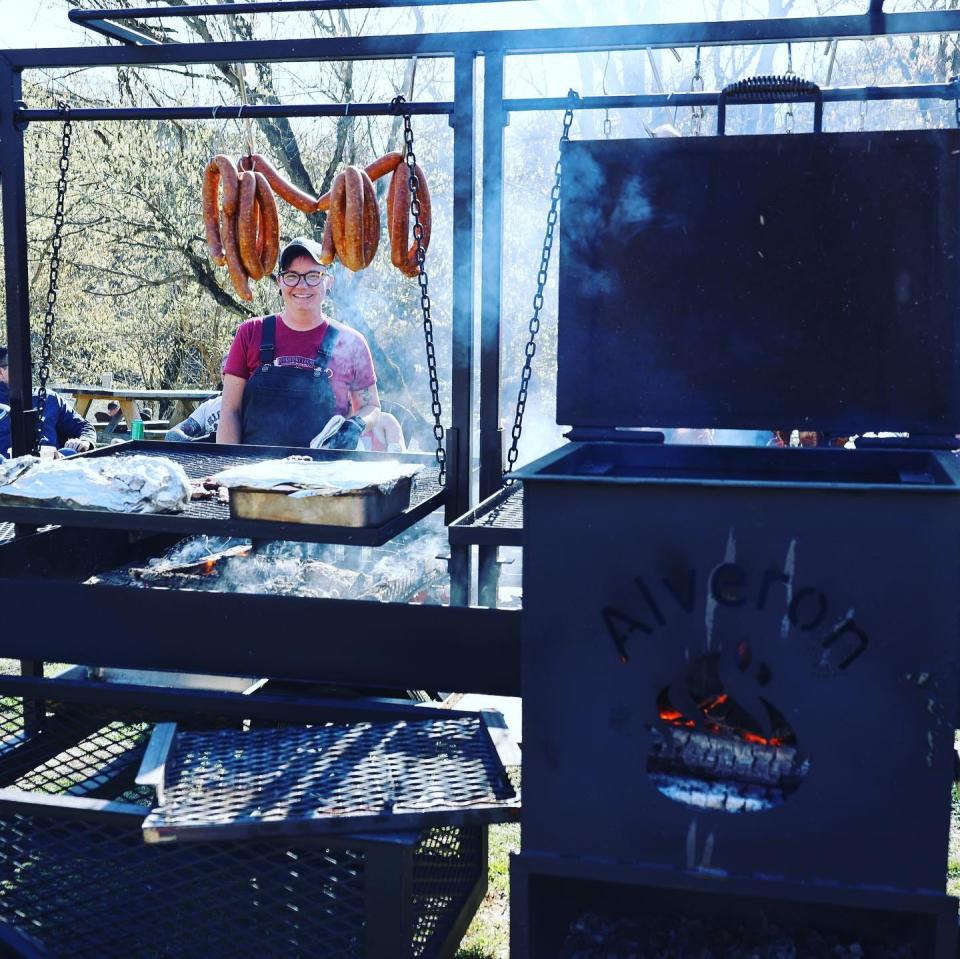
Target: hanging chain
{"x":788,"y":116}
{"x":696,"y":86}
{"x":607,"y":122}
{"x":410,"y":159}
{"x":46,"y":350}
{"x":531,"y":347}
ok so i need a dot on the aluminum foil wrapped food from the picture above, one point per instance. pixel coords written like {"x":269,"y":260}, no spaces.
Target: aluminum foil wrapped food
{"x":319,"y":478}
{"x":122,"y":484}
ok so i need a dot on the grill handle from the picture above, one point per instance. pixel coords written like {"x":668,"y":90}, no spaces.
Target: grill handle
{"x":771,"y":89}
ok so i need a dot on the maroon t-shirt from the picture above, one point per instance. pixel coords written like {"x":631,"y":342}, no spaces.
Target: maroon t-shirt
{"x":351,"y":365}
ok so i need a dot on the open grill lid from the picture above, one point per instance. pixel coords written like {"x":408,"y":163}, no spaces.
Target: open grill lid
{"x":761,"y":282}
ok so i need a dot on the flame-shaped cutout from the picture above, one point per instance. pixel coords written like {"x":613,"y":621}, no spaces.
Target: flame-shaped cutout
{"x":719,"y":744}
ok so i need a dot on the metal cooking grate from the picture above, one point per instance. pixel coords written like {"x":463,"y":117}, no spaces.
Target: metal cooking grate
{"x":212,"y":518}
{"x":444,"y":873}
{"x":93,"y":888}
{"x":82,"y":883}
{"x":332,"y":779}
{"x":497,"y":521}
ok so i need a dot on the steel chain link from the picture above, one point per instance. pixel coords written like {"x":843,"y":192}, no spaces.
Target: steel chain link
{"x":696,"y":86}
{"x":49,"y":316}
{"x":788,"y":118}
{"x":410,"y":158}
{"x":534,"y":326}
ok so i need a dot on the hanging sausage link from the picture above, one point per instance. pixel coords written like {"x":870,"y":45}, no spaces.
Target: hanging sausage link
{"x":242,"y":224}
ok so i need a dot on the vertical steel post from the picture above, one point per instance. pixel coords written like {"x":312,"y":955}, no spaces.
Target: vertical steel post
{"x":22,"y":417}
{"x":491,"y":257}
{"x":460,"y":440}
{"x":13,"y":186}
{"x":494,"y":120}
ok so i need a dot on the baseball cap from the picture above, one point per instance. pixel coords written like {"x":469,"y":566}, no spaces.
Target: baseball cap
{"x":299,"y":246}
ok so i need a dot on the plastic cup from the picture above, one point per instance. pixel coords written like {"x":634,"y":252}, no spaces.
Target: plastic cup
{"x":136,"y":429}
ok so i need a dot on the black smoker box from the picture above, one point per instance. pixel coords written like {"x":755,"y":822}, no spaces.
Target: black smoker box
{"x":740,"y":664}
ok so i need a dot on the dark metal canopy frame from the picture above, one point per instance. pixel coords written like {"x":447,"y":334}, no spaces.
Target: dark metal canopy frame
{"x":481,"y":650}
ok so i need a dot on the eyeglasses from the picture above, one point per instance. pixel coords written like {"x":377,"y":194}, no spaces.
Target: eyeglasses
{"x":292,"y":278}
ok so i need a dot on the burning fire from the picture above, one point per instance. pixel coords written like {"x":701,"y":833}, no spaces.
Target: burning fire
{"x":717,"y":715}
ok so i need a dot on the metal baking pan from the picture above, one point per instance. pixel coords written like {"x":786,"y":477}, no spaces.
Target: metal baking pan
{"x":371,"y":506}
{"x":332,"y":493}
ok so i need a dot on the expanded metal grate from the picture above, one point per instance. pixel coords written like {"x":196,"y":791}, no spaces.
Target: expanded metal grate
{"x":211,"y":517}
{"x":497,"y":521}
{"x":80,"y":882}
{"x":332,"y":779}
{"x":444,"y":874}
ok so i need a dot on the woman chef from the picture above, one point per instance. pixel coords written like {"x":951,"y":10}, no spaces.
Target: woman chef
{"x":286,"y":375}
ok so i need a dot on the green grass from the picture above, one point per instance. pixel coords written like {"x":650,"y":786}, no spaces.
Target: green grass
{"x":489,"y":934}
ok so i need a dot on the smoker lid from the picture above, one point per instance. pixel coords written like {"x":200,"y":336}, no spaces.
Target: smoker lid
{"x":761,"y":282}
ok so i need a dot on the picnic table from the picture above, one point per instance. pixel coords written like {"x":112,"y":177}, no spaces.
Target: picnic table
{"x":84,"y":394}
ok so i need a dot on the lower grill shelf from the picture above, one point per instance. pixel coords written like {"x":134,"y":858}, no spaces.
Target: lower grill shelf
{"x":211,"y":518}
{"x":78,"y":880}
{"x":409,"y":774}
{"x":497,"y":521}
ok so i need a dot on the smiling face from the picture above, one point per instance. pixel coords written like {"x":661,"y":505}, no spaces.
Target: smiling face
{"x":302,"y":303}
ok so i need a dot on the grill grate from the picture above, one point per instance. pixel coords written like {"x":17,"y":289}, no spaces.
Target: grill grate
{"x":84,"y":884}
{"x":497,"y":521}
{"x":212,"y":517}
{"x":332,"y":778}
{"x":444,"y":873}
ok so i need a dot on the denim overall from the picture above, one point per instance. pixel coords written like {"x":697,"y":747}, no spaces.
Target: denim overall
{"x":285,"y":405}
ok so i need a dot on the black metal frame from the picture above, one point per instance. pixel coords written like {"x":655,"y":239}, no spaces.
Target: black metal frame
{"x":464,"y":49}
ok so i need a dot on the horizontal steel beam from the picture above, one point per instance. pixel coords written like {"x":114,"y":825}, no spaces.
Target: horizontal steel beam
{"x":906,"y":91}
{"x":507,"y":42}
{"x":346,"y":642}
{"x":256,"y":6}
{"x":303,"y":707}
{"x":237,"y":112}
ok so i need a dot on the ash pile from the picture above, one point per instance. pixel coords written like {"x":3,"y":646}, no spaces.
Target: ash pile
{"x":409,"y":570}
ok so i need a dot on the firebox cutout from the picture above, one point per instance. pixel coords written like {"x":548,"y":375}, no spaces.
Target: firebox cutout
{"x":719,"y":744}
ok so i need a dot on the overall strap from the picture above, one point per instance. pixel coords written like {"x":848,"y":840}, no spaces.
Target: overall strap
{"x":325,"y":349}
{"x":268,"y":340}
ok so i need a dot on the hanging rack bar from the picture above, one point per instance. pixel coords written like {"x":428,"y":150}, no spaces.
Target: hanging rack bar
{"x":235,"y":112}
{"x":117,"y":31}
{"x":907,"y":91}
{"x":507,"y":42}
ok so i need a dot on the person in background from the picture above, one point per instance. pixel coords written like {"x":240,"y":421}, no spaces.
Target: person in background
{"x":200,"y":423}
{"x":113,"y":418}
{"x":385,"y":436}
{"x":287,"y":375}
{"x":63,"y":428}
